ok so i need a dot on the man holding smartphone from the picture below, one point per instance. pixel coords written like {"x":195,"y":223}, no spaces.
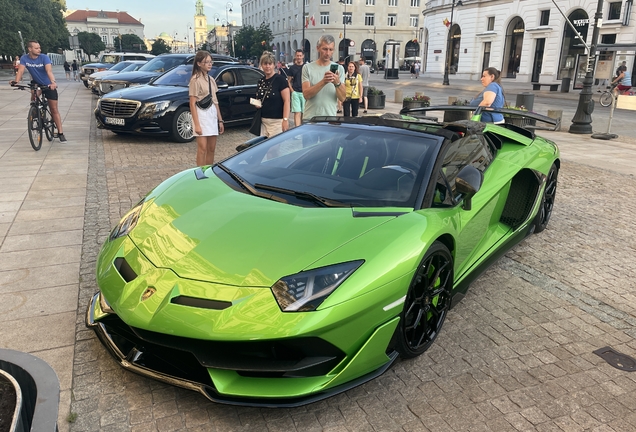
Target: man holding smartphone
{"x":322,"y":82}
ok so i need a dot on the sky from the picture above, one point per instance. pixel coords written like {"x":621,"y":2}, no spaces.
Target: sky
{"x":157,"y":16}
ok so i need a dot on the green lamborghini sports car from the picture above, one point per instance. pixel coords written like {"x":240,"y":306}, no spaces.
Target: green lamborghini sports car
{"x":307,"y":263}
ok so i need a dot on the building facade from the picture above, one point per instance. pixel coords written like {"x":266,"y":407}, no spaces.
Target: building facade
{"x":529,"y":41}
{"x":362,"y":28}
{"x":108,"y":25}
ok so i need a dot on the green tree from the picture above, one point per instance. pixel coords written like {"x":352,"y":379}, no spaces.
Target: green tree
{"x":250,"y":42}
{"x":207,"y":47}
{"x":39,"y":20}
{"x":160,"y":47}
{"x":129,"y":42}
{"x":90,"y":43}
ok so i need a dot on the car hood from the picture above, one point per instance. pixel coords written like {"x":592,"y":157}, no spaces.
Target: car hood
{"x":136,"y":76}
{"x":205,"y":230}
{"x":103,"y":74}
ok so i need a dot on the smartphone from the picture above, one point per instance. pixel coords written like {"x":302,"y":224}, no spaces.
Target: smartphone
{"x":334,"y":68}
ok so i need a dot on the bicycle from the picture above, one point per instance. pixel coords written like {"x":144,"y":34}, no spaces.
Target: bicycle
{"x":607,"y":96}
{"x":39,"y":118}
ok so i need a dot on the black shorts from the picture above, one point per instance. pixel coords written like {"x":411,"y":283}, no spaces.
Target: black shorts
{"x":50,"y":94}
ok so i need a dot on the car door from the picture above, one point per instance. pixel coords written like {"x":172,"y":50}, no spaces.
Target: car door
{"x":249,"y":80}
{"x":227,"y":94}
{"x":476,"y":228}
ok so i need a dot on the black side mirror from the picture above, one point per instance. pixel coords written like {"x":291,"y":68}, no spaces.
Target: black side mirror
{"x":468,"y":183}
{"x":250,"y":143}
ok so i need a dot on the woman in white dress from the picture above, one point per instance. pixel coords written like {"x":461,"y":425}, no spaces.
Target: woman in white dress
{"x":207,"y":123}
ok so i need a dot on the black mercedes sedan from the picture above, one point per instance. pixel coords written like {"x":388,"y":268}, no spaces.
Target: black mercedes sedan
{"x":153,"y":69}
{"x":163,"y":106}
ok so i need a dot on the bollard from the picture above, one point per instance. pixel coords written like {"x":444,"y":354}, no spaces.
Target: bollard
{"x":398,"y":96}
{"x":556,"y":114}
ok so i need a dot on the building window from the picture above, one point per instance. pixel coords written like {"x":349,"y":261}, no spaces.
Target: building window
{"x":324,"y":2}
{"x":415,"y":3}
{"x":324,"y":18}
{"x":608,"y":39}
{"x":347,"y":18}
{"x":392,"y":2}
{"x":114,"y":39}
{"x":545,"y":17}
{"x":306,"y":2}
{"x":413,"y":20}
{"x":392,"y":20}
{"x":370,"y":2}
{"x":105,"y":39}
{"x":614,"y":11}
{"x":490,"y":26}
{"x":369,"y":19}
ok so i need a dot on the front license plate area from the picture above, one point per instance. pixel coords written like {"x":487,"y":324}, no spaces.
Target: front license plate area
{"x":114,"y":121}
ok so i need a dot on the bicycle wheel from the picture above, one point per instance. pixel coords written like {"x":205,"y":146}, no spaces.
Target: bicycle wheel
{"x":34,"y":127}
{"x":606,"y":99}
{"x":48,"y":124}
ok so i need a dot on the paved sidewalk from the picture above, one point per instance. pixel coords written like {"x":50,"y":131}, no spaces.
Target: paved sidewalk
{"x":48,"y":245}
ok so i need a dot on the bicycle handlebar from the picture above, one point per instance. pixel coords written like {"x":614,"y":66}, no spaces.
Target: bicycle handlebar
{"x":28,"y":86}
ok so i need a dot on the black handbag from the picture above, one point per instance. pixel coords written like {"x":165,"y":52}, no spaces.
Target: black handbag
{"x":206,"y":102}
{"x":255,"y":129}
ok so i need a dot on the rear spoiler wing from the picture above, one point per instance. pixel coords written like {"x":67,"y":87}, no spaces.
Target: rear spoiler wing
{"x":555,"y":123}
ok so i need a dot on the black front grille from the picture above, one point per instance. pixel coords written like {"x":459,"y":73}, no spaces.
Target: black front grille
{"x":188,"y":358}
{"x":89,"y":71}
{"x":119,"y":107}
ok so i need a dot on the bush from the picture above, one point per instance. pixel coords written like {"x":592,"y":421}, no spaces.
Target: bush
{"x":420,"y":98}
{"x":374,"y":92}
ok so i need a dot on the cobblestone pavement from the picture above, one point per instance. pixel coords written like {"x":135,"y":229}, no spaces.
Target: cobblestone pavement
{"x":516,"y":354}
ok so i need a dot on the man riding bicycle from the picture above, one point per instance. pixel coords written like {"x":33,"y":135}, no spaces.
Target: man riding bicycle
{"x":39,"y":66}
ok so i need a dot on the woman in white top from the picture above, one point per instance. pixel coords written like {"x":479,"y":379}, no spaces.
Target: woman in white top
{"x":207,"y":123}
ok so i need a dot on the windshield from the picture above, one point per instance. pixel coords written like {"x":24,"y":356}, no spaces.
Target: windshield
{"x":120,"y":66}
{"x":132,"y":67}
{"x":179,"y":76}
{"x":161,"y":64}
{"x":351,"y":164}
{"x":109,"y":58}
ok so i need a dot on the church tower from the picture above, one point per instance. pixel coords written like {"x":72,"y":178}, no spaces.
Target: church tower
{"x":200,"y":26}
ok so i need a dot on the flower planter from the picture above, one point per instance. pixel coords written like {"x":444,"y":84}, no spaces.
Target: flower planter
{"x":453,"y":116}
{"x":376,"y":101}
{"x":414,"y":104}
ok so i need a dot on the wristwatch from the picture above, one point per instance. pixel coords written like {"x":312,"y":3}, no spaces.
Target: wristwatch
{"x":285,"y":119}
{"x":337,"y":85}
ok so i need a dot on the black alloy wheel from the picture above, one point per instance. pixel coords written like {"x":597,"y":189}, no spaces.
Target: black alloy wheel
{"x":34,"y":127}
{"x":182,"y":127}
{"x":427,"y":302}
{"x":547,"y":200}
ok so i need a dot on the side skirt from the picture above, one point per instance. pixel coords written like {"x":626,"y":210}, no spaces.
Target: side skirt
{"x":462,"y":287}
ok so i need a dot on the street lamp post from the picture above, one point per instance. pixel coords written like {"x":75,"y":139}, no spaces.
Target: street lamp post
{"x":448,"y":41}
{"x":582,"y":120}
{"x":345,"y":48}
{"x":188,"y":28}
{"x":230,"y":43}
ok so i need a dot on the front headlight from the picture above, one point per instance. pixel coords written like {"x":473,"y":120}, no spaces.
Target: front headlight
{"x":152,"y":108}
{"x":127,"y":223}
{"x":305,"y":291}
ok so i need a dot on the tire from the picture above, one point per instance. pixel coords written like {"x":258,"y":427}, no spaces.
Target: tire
{"x":427,"y":302}
{"x":606,"y":99}
{"x":547,"y":200}
{"x":48,"y":125}
{"x":182,"y":129}
{"x":85,"y":83}
{"x":34,"y":128}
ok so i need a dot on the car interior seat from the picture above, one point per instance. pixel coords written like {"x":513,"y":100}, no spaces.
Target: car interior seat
{"x":360,"y":156}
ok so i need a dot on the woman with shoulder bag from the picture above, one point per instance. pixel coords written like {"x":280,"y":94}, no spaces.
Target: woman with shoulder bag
{"x":204,"y":106}
{"x":492,"y":96}
{"x":353,"y":89}
{"x":273,"y":93}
